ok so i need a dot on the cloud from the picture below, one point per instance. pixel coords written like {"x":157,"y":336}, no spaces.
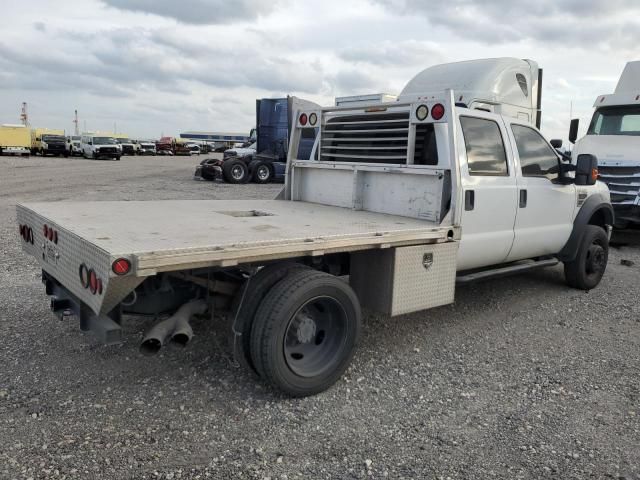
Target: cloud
{"x":593,"y":23}
{"x":405,"y":53}
{"x":131,"y":59}
{"x":199,"y":12}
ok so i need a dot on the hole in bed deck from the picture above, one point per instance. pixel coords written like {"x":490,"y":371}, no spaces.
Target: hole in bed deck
{"x":246,"y":213}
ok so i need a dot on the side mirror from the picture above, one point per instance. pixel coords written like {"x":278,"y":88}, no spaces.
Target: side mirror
{"x":586,"y":169}
{"x":556,"y":143}
{"x":573,"y":130}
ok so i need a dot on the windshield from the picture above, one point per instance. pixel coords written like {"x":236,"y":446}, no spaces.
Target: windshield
{"x":147,"y":145}
{"x":103,"y":141}
{"x":123,"y":140}
{"x":76,"y":138}
{"x":52,"y":138}
{"x":619,"y":120}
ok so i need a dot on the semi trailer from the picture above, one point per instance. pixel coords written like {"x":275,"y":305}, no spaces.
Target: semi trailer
{"x":15,"y":140}
{"x":403,"y":202}
{"x":614,"y":137}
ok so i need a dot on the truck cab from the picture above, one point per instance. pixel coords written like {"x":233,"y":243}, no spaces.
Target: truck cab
{"x":100,"y":146}
{"x":614,"y":137}
{"x":48,"y":142}
{"x":73,"y":145}
{"x":127,"y":146}
{"x":517,"y":196}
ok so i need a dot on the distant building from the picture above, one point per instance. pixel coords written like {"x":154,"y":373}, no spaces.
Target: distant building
{"x":216,"y":137}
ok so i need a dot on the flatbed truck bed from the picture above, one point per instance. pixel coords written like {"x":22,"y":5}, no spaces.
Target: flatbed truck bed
{"x":204,"y":233}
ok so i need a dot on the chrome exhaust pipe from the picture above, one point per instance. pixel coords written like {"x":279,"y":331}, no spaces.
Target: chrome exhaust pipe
{"x":176,"y":328}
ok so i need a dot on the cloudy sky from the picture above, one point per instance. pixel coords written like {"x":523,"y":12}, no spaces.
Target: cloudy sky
{"x":162,"y":66}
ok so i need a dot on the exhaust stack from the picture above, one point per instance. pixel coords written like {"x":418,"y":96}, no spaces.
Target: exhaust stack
{"x":176,"y":328}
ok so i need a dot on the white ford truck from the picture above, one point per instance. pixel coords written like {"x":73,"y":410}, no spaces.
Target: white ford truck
{"x":614,"y":137}
{"x":407,"y":199}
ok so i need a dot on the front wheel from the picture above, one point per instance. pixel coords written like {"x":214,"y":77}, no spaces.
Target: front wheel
{"x":305,"y":332}
{"x":587,"y":269}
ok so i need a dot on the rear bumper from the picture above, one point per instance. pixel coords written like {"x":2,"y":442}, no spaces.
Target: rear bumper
{"x":15,"y":151}
{"x":65,"y":304}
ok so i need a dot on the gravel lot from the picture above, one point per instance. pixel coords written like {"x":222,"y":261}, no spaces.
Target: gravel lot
{"x":521,"y":378}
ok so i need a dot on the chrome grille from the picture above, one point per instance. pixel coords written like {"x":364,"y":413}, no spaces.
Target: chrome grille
{"x":377,"y":137}
{"x":623,"y":182}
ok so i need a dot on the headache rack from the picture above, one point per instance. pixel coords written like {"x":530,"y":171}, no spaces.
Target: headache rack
{"x":379,"y":157}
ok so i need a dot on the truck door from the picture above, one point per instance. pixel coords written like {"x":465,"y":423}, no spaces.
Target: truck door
{"x":489,"y":192}
{"x":545,"y":207}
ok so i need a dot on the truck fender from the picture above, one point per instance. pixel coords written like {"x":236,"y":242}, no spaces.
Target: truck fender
{"x":596,"y":210}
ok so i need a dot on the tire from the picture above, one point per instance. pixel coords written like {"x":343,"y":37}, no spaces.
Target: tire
{"x":305,"y":332}
{"x":246,"y":303}
{"x":235,"y":171}
{"x":586,"y":271}
{"x":117,"y":158}
{"x":262,"y":172}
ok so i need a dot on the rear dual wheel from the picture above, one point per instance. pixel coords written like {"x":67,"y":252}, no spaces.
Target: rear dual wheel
{"x":305,"y":332}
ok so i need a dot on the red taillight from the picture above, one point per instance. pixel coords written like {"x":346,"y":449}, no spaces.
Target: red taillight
{"x":93,"y":281}
{"x":437,"y":111}
{"x":45,"y":231}
{"x":55,"y":237}
{"x":50,"y":234}
{"x":121,"y":266}
{"x":22,"y":231}
{"x":99,"y":287}
{"x":303,"y":119}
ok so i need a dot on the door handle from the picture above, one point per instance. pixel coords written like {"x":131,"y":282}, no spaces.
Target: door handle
{"x":469,"y":200}
{"x":523,"y":198}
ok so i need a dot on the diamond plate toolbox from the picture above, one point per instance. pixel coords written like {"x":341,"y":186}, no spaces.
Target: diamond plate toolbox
{"x":405,"y":279}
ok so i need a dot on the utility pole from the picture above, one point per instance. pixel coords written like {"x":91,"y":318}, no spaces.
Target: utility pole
{"x":75,"y":121}
{"x":24,"y":116}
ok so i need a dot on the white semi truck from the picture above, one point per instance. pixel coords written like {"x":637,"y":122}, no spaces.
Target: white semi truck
{"x":407,"y":199}
{"x":614,"y":137}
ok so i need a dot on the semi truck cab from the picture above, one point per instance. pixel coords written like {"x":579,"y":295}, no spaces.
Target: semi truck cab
{"x":614,"y":137}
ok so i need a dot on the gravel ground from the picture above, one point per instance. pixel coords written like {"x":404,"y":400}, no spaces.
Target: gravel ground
{"x":520,"y":378}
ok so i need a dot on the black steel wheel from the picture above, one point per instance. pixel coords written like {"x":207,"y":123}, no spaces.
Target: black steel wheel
{"x":305,"y":332}
{"x":587,"y":269}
